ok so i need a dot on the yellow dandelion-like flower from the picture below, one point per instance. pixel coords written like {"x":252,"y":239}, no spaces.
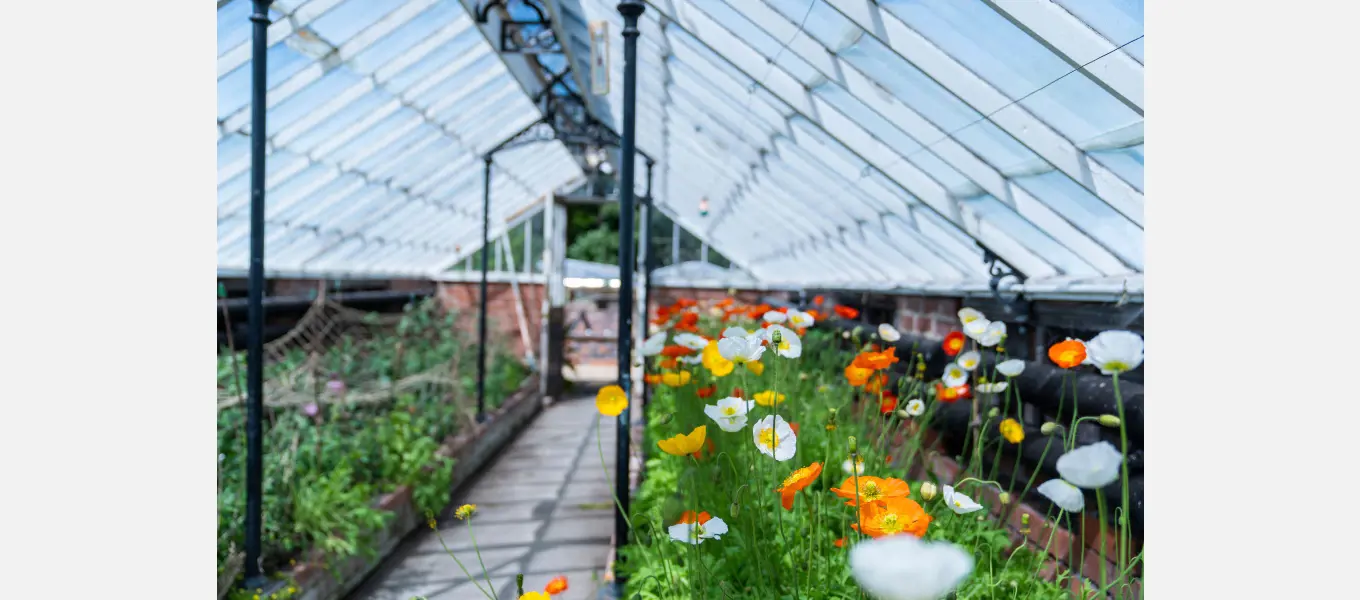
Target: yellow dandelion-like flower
{"x":465,"y":511}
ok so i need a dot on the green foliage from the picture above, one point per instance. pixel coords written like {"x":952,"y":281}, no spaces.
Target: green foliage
{"x":322,"y":473}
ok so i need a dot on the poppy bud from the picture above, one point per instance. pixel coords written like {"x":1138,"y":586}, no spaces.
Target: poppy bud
{"x":776,"y":337}
{"x":994,"y":413}
{"x":734,"y":509}
{"x":1048,"y":428}
{"x":1004,"y":497}
{"x":902,"y":414}
{"x":1024,"y":523}
{"x":519,"y":583}
{"x":928,"y":491}
{"x":1109,"y":420}
{"x":664,"y":419}
{"x":854,"y":445}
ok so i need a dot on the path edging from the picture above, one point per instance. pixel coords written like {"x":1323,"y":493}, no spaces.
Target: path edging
{"x":470,"y":449}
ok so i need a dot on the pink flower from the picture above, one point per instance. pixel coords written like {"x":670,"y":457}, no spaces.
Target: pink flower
{"x":311,"y":409}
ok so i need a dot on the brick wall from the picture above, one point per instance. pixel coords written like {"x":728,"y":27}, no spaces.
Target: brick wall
{"x":502,"y":324}
{"x":929,"y":316}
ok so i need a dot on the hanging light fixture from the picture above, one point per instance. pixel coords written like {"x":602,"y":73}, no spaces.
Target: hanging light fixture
{"x":703,"y":206}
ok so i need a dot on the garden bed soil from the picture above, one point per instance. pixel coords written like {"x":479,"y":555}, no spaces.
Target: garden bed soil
{"x":470,"y":449}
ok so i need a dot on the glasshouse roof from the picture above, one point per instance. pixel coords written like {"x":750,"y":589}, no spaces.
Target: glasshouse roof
{"x":835,"y":143}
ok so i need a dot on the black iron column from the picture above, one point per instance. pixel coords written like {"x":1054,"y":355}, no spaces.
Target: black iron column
{"x":481,"y":312}
{"x":254,"y":576}
{"x":647,"y":261}
{"x":631,"y":10}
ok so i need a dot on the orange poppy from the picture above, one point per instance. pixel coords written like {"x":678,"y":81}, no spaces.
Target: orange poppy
{"x":757,"y":312}
{"x":857,"y":376}
{"x":688,"y":322}
{"x":953,"y":343}
{"x":876,"y":360}
{"x":796,"y":481}
{"x":705,"y":392}
{"x":689,"y":517}
{"x":818,"y":299}
{"x":686,"y":302}
{"x":1068,"y":353}
{"x":652,"y":378}
{"x":816,"y":315}
{"x":676,"y":350}
{"x":840,"y":543}
{"x":736,"y":392}
{"x":947,"y":395}
{"x":725,"y":302}
{"x":893,"y":516}
{"x":875,"y":383}
{"x":845,"y":312}
{"x":668,"y":363}
{"x":872,"y":489}
{"x":794,"y":427}
{"x":557,"y":585}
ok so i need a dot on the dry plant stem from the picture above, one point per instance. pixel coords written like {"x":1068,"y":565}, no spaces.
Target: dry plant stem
{"x":460,"y":565}
{"x":473,"y":536}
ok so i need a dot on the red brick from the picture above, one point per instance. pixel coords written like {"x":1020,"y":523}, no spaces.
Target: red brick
{"x":905,"y":322}
{"x":1039,"y":532}
{"x":939,"y":329}
{"x":1091,"y":570}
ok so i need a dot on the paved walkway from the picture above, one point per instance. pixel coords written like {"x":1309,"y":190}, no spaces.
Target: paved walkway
{"x":544,"y":508}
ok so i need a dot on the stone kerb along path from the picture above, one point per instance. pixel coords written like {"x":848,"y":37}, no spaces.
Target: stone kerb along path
{"x":544,"y":508}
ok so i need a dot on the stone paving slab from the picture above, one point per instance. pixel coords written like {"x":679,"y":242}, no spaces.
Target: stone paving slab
{"x":544,"y":508}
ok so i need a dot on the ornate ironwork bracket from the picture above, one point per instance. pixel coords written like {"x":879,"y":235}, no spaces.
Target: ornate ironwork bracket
{"x":1017,"y":309}
{"x":523,"y":36}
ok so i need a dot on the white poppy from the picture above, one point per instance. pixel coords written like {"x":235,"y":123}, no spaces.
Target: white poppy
{"x":976,"y":328}
{"x":741,"y":349}
{"x":954,"y":375}
{"x":774,"y":437}
{"x":737,"y":332}
{"x":993,"y":334}
{"x":915,"y":407}
{"x":800,"y":319}
{"x":775,"y":316}
{"x":730,"y":413}
{"x":958,"y":502}
{"x":888,"y":333}
{"x":691,"y":360}
{"x":969,"y":360}
{"x":691,"y":341}
{"x":696,"y":533}
{"x":853,"y":467}
{"x":968,"y":315}
{"x":992,"y":388}
{"x":1064,"y":494}
{"x":654,"y":344}
{"x":902,"y":567}
{"x":1092,"y":466}
{"x":1011,"y":368}
{"x":1115,"y":351}
{"x":789,"y":345}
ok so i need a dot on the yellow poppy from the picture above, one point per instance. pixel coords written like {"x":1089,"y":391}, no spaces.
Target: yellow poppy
{"x":755,"y":367}
{"x":1012,"y":431}
{"x":675,"y":379}
{"x":611,"y":400}
{"x":682,"y":444}
{"x":714,"y":362}
{"x":768,"y":398}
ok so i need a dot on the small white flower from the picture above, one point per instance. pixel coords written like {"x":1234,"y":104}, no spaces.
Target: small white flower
{"x":845,"y":335}
{"x":958,"y":502}
{"x":1064,"y":494}
{"x":1092,"y":466}
{"x":968,"y":315}
{"x":992,"y":388}
{"x":1011,"y":368}
{"x":654,"y":344}
{"x":915,"y":407}
{"x":696,"y":533}
{"x":774,"y":437}
{"x":888,"y":333}
{"x":1115,"y":351}
{"x":691,"y":360}
{"x":902,"y":567}
{"x":969,"y":360}
{"x":954,"y":375}
{"x":775,"y":316}
{"x":853,"y":467}
{"x":800,"y":319}
{"x":691,"y":341}
{"x":729,"y":413}
{"x":976,"y":328}
{"x":995,"y":332}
